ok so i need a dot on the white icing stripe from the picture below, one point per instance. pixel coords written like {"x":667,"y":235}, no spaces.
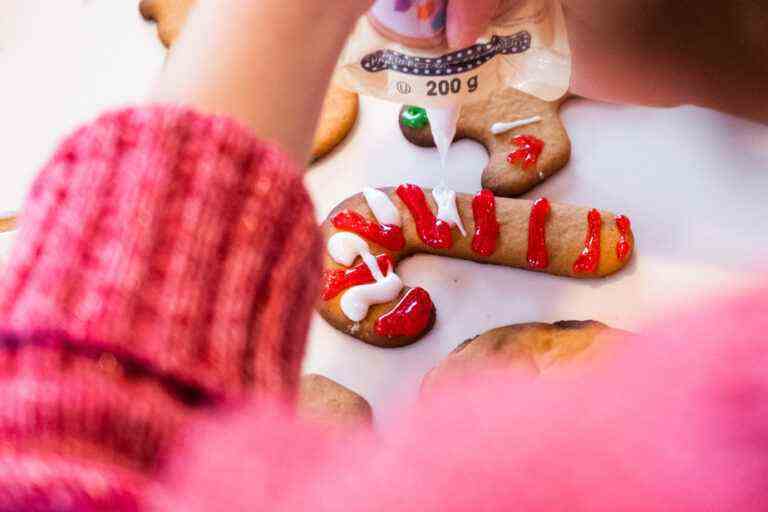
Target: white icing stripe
{"x":382,"y":207}
{"x":447,"y":210}
{"x":499,"y":128}
{"x":373,"y":265}
{"x":357,"y":301}
{"x":344,"y":248}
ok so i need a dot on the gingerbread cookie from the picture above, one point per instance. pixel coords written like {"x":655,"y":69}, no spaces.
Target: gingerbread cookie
{"x":370,"y":233}
{"x":324,"y":401}
{"x":340,"y":108}
{"x":535,"y":347}
{"x":8,"y":222}
{"x":170,"y":16}
{"x":524,"y":136}
{"x":337,"y":119}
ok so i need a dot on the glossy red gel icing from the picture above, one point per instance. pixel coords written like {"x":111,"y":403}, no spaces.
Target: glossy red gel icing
{"x":384,"y":235}
{"x":589,"y":259}
{"x":409,"y":318}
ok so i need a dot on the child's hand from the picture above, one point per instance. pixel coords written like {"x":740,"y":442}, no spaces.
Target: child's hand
{"x":666,"y":52}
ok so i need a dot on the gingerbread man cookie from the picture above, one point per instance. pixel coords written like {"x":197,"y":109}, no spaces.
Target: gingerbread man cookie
{"x":340,"y":107}
{"x":370,"y":233}
{"x":524,"y":136}
{"x":534,"y":348}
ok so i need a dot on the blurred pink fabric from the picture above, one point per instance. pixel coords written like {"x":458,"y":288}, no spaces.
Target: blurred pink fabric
{"x":676,"y":421}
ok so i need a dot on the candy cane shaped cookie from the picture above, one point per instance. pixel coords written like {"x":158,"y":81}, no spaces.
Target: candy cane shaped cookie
{"x":370,"y":233}
{"x":524,"y":136}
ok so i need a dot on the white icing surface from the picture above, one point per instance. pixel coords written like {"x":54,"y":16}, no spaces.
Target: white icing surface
{"x":356,"y":302}
{"x":443,"y":122}
{"x":447,"y":210}
{"x":499,"y":128}
{"x":344,"y":248}
{"x":382,"y":207}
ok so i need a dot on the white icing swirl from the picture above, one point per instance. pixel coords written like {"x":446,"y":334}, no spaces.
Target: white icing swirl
{"x":382,"y":207}
{"x":499,"y":128}
{"x":356,"y":302}
{"x":344,"y":248}
{"x":447,"y":211}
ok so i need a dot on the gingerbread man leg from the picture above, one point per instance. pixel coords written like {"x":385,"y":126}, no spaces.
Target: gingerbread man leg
{"x":369,"y":234}
{"x":524,"y":136}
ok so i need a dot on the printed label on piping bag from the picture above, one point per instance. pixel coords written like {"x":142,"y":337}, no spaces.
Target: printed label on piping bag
{"x":525,"y":47}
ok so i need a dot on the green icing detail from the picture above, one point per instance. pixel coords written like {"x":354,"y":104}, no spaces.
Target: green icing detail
{"x":414,"y":117}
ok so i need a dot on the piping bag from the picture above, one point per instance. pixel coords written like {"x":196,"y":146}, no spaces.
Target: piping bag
{"x":398,"y":52}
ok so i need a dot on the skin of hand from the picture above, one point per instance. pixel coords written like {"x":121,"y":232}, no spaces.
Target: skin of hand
{"x":656,"y":52}
{"x":671,"y":52}
{"x":467,"y":19}
{"x":266,"y":63}
{"x":244,"y":59}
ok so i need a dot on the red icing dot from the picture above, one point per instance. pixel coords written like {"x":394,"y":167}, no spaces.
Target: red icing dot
{"x":336,"y":281}
{"x":409,"y":318}
{"x":433,"y":232}
{"x":388,"y":237}
{"x":486,"y":225}
{"x":624,"y":247}
{"x":538,"y":256}
{"x":529,"y":152}
{"x":589,"y":259}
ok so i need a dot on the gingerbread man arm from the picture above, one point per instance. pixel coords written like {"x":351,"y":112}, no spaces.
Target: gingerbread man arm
{"x":170,"y":16}
{"x":505,"y":178}
{"x":557,"y":239}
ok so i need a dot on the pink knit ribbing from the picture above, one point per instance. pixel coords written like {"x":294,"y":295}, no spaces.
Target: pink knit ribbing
{"x":173,"y":239}
{"x":166,"y":261}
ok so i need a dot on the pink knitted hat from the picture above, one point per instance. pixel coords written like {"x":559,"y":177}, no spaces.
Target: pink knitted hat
{"x":166,"y":261}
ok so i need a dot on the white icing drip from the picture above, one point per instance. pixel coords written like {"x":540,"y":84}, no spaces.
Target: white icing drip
{"x":499,"y":128}
{"x":447,"y":211}
{"x":344,"y":248}
{"x":382,"y":207}
{"x":356,"y":302}
{"x":443,"y":122}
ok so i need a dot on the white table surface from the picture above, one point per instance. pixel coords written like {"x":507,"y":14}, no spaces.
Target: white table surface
{"x":694,"y":183}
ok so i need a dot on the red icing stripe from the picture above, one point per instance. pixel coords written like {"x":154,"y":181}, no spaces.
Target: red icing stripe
{"x":589,"y":259}
{"x":538,"y":256}
{"x":624,"y":247}
{"x":529,"y":152}
{"x":433,"y":232}
{"x":336,"y":281}
{"x":410,"y":318}
{"x":388,"y":237}
{"x":486,"y":225}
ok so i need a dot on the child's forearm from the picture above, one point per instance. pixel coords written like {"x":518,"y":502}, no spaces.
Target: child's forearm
{"x":668,"y":52}
{"x":268,"y":63}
